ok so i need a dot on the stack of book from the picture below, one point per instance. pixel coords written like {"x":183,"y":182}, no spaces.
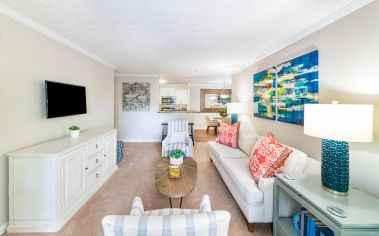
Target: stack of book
{"x":311,"y":226}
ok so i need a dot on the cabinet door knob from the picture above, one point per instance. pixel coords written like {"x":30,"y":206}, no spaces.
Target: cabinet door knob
{"x":86,"y":168}
{"x":97,"y":160}
{"x":97,"y":175}
{"x":96,"y":146}
{"x":105,"y":155}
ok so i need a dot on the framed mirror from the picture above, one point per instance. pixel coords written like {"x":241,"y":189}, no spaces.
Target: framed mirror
{"x":211,"y":99}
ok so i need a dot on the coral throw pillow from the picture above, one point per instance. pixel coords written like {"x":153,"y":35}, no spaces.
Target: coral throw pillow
{"x":268,"y":158}
{"x":228,"y":134}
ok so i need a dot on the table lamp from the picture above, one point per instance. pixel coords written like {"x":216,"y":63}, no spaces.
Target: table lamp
{"x":235,"y":108}
{"x":337,"y":124}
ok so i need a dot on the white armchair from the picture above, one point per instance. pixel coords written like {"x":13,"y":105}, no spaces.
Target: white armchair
{"x":173,"y":141}
{"x":168,"y":221}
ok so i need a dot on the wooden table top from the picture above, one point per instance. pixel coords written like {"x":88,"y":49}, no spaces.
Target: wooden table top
{"x":175,"y":188}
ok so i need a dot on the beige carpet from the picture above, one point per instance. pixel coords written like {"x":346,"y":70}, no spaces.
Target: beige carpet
{"x":135,"y":177}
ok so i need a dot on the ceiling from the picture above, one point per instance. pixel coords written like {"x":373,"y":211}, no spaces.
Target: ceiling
{"x":181,"y":39}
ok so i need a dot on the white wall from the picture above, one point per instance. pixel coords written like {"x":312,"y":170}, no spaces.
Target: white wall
{"x":146,"y":126}
{"x":348,"y":64}
{"x":27,"y":58}
{"x":142,"y":126}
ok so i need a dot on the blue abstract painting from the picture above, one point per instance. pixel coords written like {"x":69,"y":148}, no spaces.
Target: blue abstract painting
{"x":264,"y":94}
{"x":297,"y":84}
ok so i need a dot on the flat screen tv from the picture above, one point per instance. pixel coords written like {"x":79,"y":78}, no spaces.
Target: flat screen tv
{"x":64,"y":99}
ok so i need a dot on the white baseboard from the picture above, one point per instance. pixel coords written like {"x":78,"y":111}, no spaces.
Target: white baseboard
{"x":3,"y":228}
{"x":141,"y":140}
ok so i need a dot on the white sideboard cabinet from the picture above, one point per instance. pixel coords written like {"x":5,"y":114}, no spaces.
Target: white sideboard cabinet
{"x":49,"y":182}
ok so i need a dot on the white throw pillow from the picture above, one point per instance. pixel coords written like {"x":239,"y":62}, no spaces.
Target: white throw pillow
{"x":246,"y":142}
{"x":177,"y":137}
{"x":296,"y":163}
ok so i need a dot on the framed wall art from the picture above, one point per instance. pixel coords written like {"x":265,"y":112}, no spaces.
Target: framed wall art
{"x":280,"y":92}
{"x":264,"y":94}
{"x":136,"y":96}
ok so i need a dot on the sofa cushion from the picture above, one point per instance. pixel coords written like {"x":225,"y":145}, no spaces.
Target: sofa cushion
{"x":239,"y":173}
{"x":221,"y":151}
{"x":246,"y":142}
{"x":296,"y":163}
{"x":259,"y":140}
{"x":268,"y":158}
{"x":228,"y":134}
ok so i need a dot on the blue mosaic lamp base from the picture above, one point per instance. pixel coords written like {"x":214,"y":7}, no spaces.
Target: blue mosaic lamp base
{"x":335,"y":166}
{"x":234,"y":118}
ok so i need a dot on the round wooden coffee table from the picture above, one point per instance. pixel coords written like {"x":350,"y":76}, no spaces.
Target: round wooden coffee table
{"x":175,"y":188}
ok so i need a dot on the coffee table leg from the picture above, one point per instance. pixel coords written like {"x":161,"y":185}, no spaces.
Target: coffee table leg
{"x":181,"y":199}
{"x":170,"y":203}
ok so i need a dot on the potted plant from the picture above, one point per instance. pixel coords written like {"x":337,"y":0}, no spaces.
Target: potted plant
{"x":74,"y":131}
{"x":176,"y":157}
{"x":223,"y":112}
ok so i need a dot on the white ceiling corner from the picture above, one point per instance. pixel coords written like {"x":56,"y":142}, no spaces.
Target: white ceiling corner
{"x":138,"y":75}
{"x":6,"y":10}
{"x":190,"y":40}
{"x":340,"y":13}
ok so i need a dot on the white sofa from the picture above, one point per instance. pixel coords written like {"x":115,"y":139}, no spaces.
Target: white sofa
{"x":255,"y":200}
{"x":168,"y":221}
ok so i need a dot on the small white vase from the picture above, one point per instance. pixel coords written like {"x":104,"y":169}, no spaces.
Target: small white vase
{"x":75,"y":133}
{"x":176,"y":162}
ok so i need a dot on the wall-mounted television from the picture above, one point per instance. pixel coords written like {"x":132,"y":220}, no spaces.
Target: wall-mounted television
{"x":64,"y":99}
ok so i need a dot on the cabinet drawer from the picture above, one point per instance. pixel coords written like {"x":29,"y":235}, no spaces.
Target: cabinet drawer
{"x":95,"y":178}
{"x":94,"y":162}
{"x":95,"y":146}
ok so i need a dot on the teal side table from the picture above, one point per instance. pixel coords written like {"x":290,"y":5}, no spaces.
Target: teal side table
{"x":362,"y":209}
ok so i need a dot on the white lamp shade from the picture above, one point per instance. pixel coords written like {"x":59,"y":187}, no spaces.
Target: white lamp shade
{"x":236,"y":108}
{"x":341,"y":122}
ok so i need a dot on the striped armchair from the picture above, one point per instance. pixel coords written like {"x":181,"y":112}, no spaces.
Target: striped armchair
{"x":168,"y":221}
{"x":177,"y":126}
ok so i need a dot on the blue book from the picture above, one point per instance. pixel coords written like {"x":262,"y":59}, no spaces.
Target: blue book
{"x":311,"y":225}
{"x":325,"y":231}
{"x":303,"y":221}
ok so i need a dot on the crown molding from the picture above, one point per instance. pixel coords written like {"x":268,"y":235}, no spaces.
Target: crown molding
{"x":136,"y":75}
{"x":348,"y":9}
{"x":6,"y":10}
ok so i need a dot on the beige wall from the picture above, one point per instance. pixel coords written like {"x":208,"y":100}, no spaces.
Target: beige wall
{"x":348,"y":65}
{"x":27,"y":58}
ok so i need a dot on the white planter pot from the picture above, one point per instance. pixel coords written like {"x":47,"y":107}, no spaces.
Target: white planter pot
{"x":75,"y":133}
{"x":176,"y":162}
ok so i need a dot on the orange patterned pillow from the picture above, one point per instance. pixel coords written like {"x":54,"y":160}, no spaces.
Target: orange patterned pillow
{"x":228,"y":134}
{"x":268,"y":158}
